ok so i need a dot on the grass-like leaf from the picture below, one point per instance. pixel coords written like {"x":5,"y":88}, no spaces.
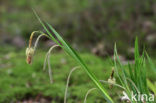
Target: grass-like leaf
{"x":75,"y":55}
{"x":152,"y":66}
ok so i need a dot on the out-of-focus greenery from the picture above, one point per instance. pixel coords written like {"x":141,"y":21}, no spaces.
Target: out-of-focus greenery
{"x":86,"y":22}
{"x":19,"y":80}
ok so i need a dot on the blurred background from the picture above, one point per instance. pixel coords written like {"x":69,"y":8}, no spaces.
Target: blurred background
{"x":91,"y":26}
{"x":84,"y":23}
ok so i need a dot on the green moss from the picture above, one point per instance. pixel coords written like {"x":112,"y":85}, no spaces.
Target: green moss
{"x":20,"y":80}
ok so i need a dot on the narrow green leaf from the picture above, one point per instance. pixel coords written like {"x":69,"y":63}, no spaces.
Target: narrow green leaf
{"x":41,"y":22}
{"x":74,"y":54}
{"x":136,"y":68}
{"x":151,"y":86}
{"x":152,"y":66}
{"x":122,"y":69}
{"x":130,"y":72}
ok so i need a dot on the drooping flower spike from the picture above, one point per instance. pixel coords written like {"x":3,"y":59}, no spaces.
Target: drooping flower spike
{"x":88,"y":92}
{"x":31,"y":50}
{"x":67,"y":83}
{"x":111,"y":79}
{"x":102,"y":81}
{"x":47,"y":60}
{"x":29,"y":54}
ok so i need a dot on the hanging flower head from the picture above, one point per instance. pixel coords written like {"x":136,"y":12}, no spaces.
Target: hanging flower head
{"x":111,"y":79}
{"x":29,"y":54}
{"x":31,"y":50}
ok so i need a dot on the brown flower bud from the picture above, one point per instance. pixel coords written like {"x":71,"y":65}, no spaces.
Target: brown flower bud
{"x":29,"y":54}
{"x":112,"y":80}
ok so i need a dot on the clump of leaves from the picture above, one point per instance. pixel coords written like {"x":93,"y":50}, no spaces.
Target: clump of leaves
{"x":135,"y":79}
